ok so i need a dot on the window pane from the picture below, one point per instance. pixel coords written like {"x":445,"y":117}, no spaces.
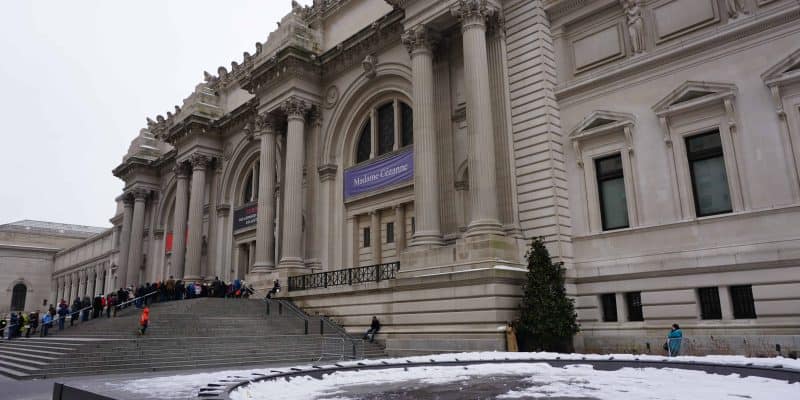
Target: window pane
{"x":364,"y":143}
{"x":386,"y":129}
{"x":710,"y":184}
{"x":407,"y":124}
{"x":634,"y":300}
{"x":609,"y":304}
{"x":366,"y":237}
{"x":704,"y":143}
{"x":611,"y":187}
{"x":390,"y":232}
{"x":743,"y":304}
{"x":248,"y":188}
{"x":709,"y":303}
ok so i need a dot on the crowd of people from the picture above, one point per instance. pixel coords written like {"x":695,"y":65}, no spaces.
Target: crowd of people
{"x":18,"y":324}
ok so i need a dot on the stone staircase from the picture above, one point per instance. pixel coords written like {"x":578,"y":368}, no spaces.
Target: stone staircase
{"x":188,"y":334}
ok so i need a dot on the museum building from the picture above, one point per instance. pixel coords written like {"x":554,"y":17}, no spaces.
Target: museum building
{"x":395,"y":158}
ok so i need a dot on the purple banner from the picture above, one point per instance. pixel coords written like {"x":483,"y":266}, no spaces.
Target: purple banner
{"x":380,"y":174}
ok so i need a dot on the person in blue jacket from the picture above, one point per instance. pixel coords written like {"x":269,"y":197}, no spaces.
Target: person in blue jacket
{"x":674,"y":339}
{"x":47,"y":321}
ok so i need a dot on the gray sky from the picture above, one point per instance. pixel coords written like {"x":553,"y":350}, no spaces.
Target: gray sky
{"x":80,"y":76}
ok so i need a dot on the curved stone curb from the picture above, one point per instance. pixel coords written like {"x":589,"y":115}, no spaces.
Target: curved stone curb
{"x":220,"y":390}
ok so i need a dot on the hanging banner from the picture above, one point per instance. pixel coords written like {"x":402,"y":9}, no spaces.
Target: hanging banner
{"x":245,"y":216}
{"x":385,"y":172}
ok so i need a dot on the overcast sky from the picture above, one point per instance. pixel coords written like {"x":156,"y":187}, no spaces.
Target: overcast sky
{"x":79,"y":77}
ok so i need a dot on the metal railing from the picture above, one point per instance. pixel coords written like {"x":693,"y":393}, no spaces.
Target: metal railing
{"x":344,"y":346}
{"x":341,"y":277}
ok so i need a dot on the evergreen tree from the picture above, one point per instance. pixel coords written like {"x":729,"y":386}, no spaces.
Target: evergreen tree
{"x":548,"y":318}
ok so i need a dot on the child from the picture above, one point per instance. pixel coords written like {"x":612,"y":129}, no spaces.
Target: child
{"x":144,"y":320}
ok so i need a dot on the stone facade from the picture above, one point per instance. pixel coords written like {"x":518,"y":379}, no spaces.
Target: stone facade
{"x":508,"y":107}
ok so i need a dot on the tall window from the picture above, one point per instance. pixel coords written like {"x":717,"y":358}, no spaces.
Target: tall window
{"x":709,"y":179}
{"x":366,"y":237}
{"x":609,"y":303}
{"x":250,"y":190}
{"x":390,"y":232}
{"x":743,"y":304}
{"x":634,"y":300}
{"x":611,"y":185}
{"x":18,"y":294}
{"x":389,"y":126}
{"x":709,"y":303}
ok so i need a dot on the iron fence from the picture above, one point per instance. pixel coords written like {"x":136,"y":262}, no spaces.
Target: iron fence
{"x":341,"y":277}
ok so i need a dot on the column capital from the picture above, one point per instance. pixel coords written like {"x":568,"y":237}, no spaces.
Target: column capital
{"x":127,"y":200}
{"x":295,"y":107}
{"x":315,"y":117}
{"x":181,"y":171}
{"x":199,"y":161}
{"x":420,"y":39}
{"x":327,"y":172}
{"x":140,"y":194}
{"x":265,"y":124}
{"x":400,"y":206}
{"x":472,"y":13}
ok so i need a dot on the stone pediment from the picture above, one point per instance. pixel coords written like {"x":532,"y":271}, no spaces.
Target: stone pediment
{"x":784,"y":72}
{"x":601,"y":122}
{"x":693,"y":94}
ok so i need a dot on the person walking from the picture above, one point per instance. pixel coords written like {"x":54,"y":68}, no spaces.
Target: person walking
{"x":144,"y":320}
{"x":73,"y":315}
{"x":63,"y":310}
{"x":34,"y":318}
{"x":374,"y":327}
{"x":3,"y":324}
{"x":674,"y":339}
{"x":47,"y":322}
{"x":13,"y":326}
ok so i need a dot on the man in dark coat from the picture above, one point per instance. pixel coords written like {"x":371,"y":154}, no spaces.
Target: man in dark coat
{"x":374,"y":327}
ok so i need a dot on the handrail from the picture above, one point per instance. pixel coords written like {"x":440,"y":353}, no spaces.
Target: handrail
{"x":347,"y":276}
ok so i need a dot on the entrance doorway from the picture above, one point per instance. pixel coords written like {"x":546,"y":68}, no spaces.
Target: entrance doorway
{"x":18,"y":297}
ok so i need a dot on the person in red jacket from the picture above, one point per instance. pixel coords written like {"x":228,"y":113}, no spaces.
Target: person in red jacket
{"x":144,"y":319}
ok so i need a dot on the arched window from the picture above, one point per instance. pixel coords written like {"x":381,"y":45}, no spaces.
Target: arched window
{"x":18,"y":297}
{"x":393,"y":124}
{"x":250,"y":185}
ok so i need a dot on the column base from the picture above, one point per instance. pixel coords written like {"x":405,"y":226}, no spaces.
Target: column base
{"x":291,"y":262}
{"x":426,"y":238}
{"x":262,"y":267}
{"x":482,"y":227}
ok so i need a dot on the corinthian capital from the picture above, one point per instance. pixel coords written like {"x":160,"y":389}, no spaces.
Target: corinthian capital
{"x":180,"y":170}
{"x":419,"y":38}
{"x":295,"y":107}
{"x":199,"y":161}
{"x":472,"y":13}
{"x":140,"y":194}
{"x":264,"y":123}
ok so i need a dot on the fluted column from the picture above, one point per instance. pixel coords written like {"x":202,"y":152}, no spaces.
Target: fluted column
{"x":375,"y":236}
{"x":265,"y":226}
{"x":481,"y":155}
{"x":137,"y":230}
{"x":420,"y":42}
{"x":291,"y":253}
{"x":195,"y":245}
{"x":73,"y":286}
{"x":399,"y":228}
{"x":179,"y":220}
{"x":99,"y":285}
{"x":82,"y":283}
{"x":61,"y":285}
{"x":54,"y":291}
{"x":125,"y":240}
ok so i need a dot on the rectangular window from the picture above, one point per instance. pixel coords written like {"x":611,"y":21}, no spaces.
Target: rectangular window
{"x":609,"y":304}
{"x":413,"y":225}
{"x":634,"y":300}
{"x":390,"y":232}
{"x":709,"y":179}
{"x":709,"y":303}
{"x":611,"y":187}
{"x":366,"y":237}
{"x":743,"y":305}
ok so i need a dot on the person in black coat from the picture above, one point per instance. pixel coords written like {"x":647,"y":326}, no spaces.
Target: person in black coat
{"x":76,"y":305}
{"x":374,"y":327}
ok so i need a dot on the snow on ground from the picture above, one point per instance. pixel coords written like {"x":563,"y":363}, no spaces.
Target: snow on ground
{"x":188,"y":385}
{"x":536,"y":380}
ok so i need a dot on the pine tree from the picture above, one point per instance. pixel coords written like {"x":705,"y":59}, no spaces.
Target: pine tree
{"x":548,"y":318}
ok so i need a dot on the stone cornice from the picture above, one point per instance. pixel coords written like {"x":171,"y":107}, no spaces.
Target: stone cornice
{"x":290,"y":62}
{"x":191,"y":125}
{"x":238,"y":119}
{"x":383,"y":33}
{"x":731,"y":33}
{"x":133,"y":166}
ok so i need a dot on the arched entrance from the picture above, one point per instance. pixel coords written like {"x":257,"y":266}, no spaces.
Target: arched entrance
{"x":18,"y":297}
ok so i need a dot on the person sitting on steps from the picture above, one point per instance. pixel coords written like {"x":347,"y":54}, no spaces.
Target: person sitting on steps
{"x":276,"y":288}
{"x":373,"y":329}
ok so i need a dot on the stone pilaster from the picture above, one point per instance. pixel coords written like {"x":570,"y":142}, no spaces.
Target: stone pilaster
{"x":375,"y":236}
{"x":54,"y":291}
{"x":137,"y":231}
{"x":265,"y":227}
{"x":481,"y":154}
{"x":82,"y":281}
{"x":420,"y":42}
{"x":99,"y":288}
{"x":178,"y":255}
{"x":195,"y":244}
{"x":125,"y":240}
{"x":399,"y":228}
{"x":61,"y":285}
{"x":291,"y":254}
{"x":73,"y":286}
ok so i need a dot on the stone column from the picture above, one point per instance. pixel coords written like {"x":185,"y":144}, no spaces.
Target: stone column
{"x":137,"y":230}
{"x":73,"y":286}
{"x":54,"y":291}
{"x":195,"y":245}
{"x":291,"y":253}
{"x":82,"y":280}
{"x":375,"y":235}
{"x":420,"y":42}
{"x":108,"y":287}
{"x":99,"y":288}
{"x":399,"y":228}
{"x":481,"y":155}
{"x":179,"y":220}
{"x":265,"y":226}
{"x":125,"y":240}
{"x":61,"y":285}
